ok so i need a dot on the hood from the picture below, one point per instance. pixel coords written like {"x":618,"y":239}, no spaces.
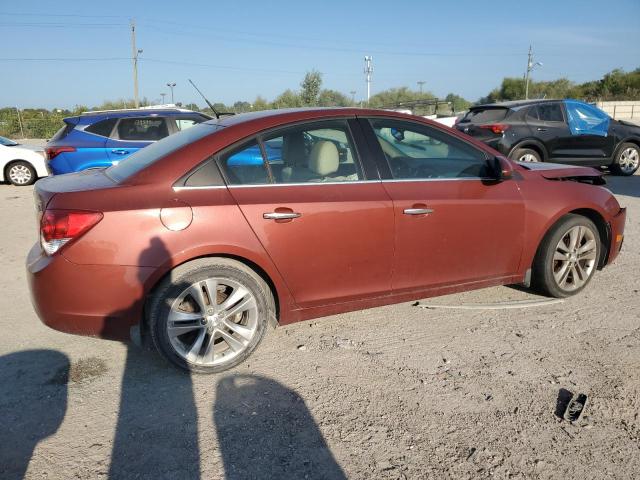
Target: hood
{"x":557,"y":171}
{"x":629,"y":124}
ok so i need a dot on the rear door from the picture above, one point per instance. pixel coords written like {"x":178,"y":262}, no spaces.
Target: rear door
{"x":590,"y":141}
{"x":324,"y":218}
{"x":133,"y":133}
{"x":453,"y":224}
{"x":548,"y":124}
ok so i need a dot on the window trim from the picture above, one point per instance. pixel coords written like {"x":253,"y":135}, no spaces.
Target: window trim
{"x":381,"y":157}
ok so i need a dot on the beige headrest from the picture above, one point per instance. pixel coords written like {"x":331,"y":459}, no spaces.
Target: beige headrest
{"x":324,"y":158}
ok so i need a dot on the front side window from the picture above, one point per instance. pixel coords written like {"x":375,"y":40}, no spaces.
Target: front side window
{"x":142,"y":129}
{"x":416,"y":151}
{"x":586,"y":119}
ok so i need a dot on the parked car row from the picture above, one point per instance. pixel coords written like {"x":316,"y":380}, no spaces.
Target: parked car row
{"x":562,"y":131}
{"x":202,"y":240}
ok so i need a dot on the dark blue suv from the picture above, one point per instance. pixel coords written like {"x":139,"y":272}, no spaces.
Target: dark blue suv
{"x":100,"y":139}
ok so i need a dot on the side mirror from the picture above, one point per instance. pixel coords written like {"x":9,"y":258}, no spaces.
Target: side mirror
{"x":502,"y":169}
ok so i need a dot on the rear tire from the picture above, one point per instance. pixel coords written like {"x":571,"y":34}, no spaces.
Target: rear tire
{"x":20,"y":173}
{"x":627,"y":159}
{"x":525,"y":155}
{"x":567,"y":258}
{"x":207,"y":333}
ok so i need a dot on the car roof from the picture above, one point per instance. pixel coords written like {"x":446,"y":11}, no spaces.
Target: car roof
{"x":515,"y":103}
{"x":87,"y":118}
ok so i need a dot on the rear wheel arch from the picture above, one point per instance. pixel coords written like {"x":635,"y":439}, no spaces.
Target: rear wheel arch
{"x":187,"y":263}
{"x":533,"y":145}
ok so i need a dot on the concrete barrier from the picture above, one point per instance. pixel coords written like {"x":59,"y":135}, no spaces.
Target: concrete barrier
{"x":621,"y":110}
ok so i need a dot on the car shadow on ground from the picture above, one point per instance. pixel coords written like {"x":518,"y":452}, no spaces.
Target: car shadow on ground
{"x":264,"y":429}
{"x":629,"y":186}
{"x":28,"y":415}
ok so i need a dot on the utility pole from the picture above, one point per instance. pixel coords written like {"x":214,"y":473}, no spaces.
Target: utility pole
{"x":171,"y":85}
{"x":420,"y":84}
{"x":368,"y":70}
{"x":530,"y":67}
{"x":163,"y":95}
{"x":134,"y":57}
{"x":353,"y":96}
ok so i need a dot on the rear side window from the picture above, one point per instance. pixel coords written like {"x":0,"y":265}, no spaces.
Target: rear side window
{"x":142,"y":129}
{"x":244,"y":165}
{"x":102,"y":128}
{"x":548,"y":112}
{"x":486,"y":115}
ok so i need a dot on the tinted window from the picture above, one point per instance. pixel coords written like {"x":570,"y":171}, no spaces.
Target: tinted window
{"x":102,"y":128}
{"x":184,"y":123}
{"x":151,"y":154}
{"x":244,"y":165}
{"x":550,"y":112}
{"x":485,"y":115}
{"x":63,"y":132}
{"x":206,"y":175}
{"x":420,"y":152}
{"x":142,"y":129}
{"x":321,"y":152}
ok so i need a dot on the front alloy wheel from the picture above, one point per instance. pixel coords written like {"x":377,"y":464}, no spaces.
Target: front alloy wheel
{"x":21,"y":174}
{"x":627,"y":160}
{"x":567,"y":257}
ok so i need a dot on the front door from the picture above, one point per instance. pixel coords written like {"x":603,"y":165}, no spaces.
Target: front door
{"x":327,"y":228}
{"x":453,"y":224}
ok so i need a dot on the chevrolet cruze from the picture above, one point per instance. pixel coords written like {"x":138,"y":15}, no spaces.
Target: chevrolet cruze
{"x":188,"y":244}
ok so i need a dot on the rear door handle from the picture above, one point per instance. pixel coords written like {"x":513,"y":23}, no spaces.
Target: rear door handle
{"x":540,"y":129}
{"x":119,"y":151}
{"x":280,"y":215}
{"x":418,"y":211}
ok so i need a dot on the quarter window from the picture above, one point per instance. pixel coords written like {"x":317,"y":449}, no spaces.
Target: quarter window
{"x":102,"y":128}
{"x":142,"y":129}
{"x":419,"y":152}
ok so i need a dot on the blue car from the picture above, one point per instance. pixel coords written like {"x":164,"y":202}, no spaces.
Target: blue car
{"x":100,"y":139}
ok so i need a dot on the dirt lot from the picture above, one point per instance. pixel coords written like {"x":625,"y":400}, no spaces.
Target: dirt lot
{"x":393,"y":392}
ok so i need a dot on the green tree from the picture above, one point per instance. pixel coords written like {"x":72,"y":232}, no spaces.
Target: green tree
{"x":260,"y":104}
{"x":311,"y":88}
{"x":241,"y":107}
{"x":333,"y":98}
{"x":458,"y":103}
{"x":288,"y":99}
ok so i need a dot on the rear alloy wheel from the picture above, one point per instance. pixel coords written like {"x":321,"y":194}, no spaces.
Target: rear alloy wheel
{"x":627,"y":159}
{"x":568,"y":257}
{"x":525,"y":155}
{"x":210,"y":315}
{"x":21,"y":174}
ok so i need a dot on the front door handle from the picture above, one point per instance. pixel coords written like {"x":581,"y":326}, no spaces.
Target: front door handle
{"x":280,"y":215}
{"x":119,"y":151}
{"x":418,"y":211}
{"x":540,"y":129}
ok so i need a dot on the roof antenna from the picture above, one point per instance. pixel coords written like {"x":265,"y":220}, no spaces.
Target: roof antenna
{"x":215,"y":112}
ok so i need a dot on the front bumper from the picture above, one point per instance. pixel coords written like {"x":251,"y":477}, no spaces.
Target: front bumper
{"x":94,"y":300}
{"x":617,"y":234}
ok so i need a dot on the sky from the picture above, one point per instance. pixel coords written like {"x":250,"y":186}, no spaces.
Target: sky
{"x":62,"y":54}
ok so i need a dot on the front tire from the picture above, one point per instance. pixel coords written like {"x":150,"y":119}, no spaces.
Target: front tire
{"x":209,"y":315}
{"x":525,"y":155}
{"x":567,"y":258}
{"x":627,"y":159}
{"x":21,"y":173}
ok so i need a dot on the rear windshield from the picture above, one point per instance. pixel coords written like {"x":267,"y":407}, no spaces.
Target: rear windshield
{"x":154,"y":152}
{"x":485,"y":115}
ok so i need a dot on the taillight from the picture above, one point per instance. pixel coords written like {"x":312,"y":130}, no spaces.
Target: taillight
{"x":58,"y":227}
{"x":53,"y":152}
{"x":497,"y":128}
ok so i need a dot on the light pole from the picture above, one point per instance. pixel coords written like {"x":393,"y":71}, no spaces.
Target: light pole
{"x":171,"y":85}
{"x":163,"y":95}
{"x":420,"y":84}
{"x":368,"y":70}
{"x":530,"y":67}
{"x":353,"y":96}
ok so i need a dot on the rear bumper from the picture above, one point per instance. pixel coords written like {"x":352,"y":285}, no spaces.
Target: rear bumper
{"x":617,"y":234}
{"x":94,"y":300}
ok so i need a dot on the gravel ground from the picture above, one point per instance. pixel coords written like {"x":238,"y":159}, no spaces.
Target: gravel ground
{"x":392,"y":392}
